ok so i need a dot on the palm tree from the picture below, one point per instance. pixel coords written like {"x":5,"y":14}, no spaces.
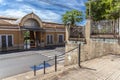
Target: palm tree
{"x":72,"y":17}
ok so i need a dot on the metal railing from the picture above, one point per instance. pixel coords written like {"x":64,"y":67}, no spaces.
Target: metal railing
{"x":104,"y":27}
{"x":56,"y":62}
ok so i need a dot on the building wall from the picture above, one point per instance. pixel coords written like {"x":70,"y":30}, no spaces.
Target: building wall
{"x":31,"y":22}
{"x":17,"y":38}
{"x":55,"y":36}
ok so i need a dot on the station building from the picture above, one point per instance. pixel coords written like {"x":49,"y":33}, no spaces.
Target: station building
{"x":41,"y":34}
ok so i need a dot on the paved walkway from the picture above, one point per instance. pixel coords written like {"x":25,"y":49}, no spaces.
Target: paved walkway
{"x":103,"y":68}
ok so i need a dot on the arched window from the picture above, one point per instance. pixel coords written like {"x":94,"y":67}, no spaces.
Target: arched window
{"x":31,"y":23}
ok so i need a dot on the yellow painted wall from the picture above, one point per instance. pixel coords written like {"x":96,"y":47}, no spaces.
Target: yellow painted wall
{"x":55,"y":34}
{"x":17,"y":36}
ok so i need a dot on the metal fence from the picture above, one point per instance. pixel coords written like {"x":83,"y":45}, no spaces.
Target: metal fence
{"x":55,"y":61}
{"x":104,"y":27}
{"x":77,"y":32}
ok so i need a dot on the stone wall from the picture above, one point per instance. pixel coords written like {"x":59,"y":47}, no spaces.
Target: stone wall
{"x":90,"y":51}
{"x":72,"y":56}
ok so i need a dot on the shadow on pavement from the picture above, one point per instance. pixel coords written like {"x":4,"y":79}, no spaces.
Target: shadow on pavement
{"x":83,"y":67}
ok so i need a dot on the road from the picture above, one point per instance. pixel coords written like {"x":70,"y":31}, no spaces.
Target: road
{"x":20,"y":62}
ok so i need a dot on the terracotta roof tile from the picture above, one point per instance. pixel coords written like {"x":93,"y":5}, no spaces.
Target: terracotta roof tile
{"x":6,"y":23}
{"x":7,"y":18}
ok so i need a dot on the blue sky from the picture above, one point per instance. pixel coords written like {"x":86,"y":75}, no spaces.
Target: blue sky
{"x":47,"y":12}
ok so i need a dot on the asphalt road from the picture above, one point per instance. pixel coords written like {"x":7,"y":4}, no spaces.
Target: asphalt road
{"x":20,"y":62}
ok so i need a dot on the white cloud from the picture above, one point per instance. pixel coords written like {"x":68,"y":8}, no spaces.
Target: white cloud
{"x":20,"y":9}
{"x":19,"y":0}
{"x":26,"y":8}
{"x":83,"y":23}
{"x":13,"y":13}
{"x":45,"y":15}
{"x":73,"y":4}
{"x":2,"y":2}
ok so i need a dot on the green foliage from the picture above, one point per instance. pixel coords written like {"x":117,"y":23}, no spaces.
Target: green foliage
{"x":114,"y":11}
{"x":103,"y":9}
{"x":72,"y":17}
{"x":26,"y":34}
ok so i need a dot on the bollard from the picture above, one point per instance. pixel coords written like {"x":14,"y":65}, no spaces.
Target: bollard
{"x":34,"y":70}
{"x":79,"y":46}
{"x":55,"y":63}
{"x":44,"y":66}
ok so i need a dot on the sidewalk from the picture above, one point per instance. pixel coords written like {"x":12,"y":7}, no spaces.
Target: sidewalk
{"x":102,"y":68}
{"x":30,"y":75}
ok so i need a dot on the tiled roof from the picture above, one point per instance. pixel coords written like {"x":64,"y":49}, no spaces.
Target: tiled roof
{"x":6,"y":23}
{"x":9,"y":21}
{"x":7,"y":18}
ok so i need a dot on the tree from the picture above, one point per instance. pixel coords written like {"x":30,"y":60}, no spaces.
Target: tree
{"x":114,"y":11}
{"x":72,"y":17}
{"x":26,"y":34}
{"x":26,"y":37}
{"x":103,"y":9}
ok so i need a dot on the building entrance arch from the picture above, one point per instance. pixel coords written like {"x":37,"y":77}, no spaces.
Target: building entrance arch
{"x":33,"y":25}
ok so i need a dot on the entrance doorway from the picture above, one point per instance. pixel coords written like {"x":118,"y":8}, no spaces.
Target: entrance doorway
{"x":27,"y":40}
{"x":32,"y":39}
{"x":33,"y":27}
